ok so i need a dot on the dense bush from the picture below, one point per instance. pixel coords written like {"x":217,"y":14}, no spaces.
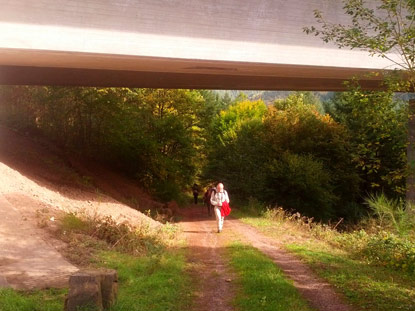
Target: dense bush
{"x":300,"y":182}
{"x":377,"y":247}
{"x":391,"y":251}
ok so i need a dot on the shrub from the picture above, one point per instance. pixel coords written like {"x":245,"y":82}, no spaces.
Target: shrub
{"x":302,"y":183}
{"x":389,"y":250}
{"x":136,"y":240}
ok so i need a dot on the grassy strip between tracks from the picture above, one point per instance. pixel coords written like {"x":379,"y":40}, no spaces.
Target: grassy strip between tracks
{"x":261,"y":284}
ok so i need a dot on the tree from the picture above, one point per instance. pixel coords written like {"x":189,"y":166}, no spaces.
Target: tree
{"x":387,"y":31}
{"x":289,"y":154}
{"x":376,"y":124}
{"x":235,"y":148}
{"x":310,"y":167}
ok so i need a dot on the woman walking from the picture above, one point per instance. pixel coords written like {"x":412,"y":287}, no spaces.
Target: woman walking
{"x":217,"y":200}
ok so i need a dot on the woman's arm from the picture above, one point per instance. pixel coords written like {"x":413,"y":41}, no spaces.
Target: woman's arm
{"x":213,"y":199}
{"x":226,"y":197}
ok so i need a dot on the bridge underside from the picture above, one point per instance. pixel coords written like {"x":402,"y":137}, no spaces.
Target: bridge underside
{"x":103,"y":70}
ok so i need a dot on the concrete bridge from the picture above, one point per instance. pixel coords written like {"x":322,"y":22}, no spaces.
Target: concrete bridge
{"x":219,"y":44}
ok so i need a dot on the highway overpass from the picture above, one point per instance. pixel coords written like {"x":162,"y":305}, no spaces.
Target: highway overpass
{"x":216,"y":44}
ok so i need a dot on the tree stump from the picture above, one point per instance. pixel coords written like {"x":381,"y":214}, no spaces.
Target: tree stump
{"x":92,"y":290}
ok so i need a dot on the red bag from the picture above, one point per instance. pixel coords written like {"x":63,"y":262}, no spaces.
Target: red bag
{"x":225,"y":210}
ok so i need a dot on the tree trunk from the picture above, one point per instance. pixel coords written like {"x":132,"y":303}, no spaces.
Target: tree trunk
{"x":410,"y":153}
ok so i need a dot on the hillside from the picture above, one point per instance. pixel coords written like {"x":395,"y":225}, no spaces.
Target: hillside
{"x":37,"y":185}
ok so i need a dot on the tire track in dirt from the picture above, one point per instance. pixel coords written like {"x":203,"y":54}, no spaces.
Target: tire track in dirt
{"x":209,"y":269}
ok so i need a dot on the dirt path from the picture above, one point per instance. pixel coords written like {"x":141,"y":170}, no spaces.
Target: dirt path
{"x":213,"y":289}
{"x":206,"y":246}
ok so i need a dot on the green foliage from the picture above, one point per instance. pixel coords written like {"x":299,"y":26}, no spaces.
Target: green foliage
{"x":300,"y":98}
{"x":71,"y":222}
{"x":235,"y":148}
{"x":300,"y":182}
{"x":238,"y":115}
{"x":262,"y":284}
{"x":391,"y":251}
{"x":382,"y":248}
{"x":377,"y":126}
{"x":309,"y":151}
{"x":289,"y":154}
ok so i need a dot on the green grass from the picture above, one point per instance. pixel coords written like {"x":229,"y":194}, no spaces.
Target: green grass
{"x":252,"y":219}
{"x":261,"y":284}
{"x":367,"y":287}
{"x":151,"y":282}
{"x":45,"y":300}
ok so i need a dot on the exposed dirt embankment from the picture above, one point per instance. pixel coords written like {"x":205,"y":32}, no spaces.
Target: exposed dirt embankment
{"x":35,"y":186}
